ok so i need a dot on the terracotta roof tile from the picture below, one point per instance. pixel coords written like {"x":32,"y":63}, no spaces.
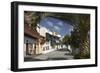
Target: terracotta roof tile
{"x":30,"y":32}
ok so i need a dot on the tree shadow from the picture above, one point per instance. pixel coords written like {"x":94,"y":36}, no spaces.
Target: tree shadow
{"x":57,"y":59}
{"x":65,"y":49}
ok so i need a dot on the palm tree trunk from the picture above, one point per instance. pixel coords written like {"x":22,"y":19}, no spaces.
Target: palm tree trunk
{"x":85,"y":49}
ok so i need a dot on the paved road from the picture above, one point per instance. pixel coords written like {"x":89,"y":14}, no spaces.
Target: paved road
{"x":61,"y":54}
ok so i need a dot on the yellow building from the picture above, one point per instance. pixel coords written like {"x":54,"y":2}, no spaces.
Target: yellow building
{"x":32,"y":41}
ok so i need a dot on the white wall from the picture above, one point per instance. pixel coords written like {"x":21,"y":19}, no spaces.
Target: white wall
{"x":5,"y":36}
{"x":47,"y":44}
{"x":43,"y":30}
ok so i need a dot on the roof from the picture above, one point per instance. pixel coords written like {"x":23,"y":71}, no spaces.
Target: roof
{"x":30,"y":32}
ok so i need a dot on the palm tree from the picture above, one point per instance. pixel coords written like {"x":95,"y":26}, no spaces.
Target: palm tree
{"x":80,"y":36}
{"x":84,"y":28}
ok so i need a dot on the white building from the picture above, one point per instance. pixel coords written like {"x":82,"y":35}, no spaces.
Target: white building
{"x":42,"y":30}
{"x":46,"y":47}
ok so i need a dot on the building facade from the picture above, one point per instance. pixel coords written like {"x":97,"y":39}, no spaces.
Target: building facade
{"x":32,"y":41}
{"x":40,"y":41}
{"x":52,"y":40}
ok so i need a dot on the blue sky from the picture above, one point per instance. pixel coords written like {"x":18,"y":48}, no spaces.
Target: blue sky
{"x":56,"y":25}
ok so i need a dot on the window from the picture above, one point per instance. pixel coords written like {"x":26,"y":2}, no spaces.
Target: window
{"x":43,"y":48}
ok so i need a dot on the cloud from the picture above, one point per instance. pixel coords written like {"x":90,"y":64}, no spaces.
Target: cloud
{"x":60,"y":23}
{"x":50,"y":23}
{"x":57,"y":28}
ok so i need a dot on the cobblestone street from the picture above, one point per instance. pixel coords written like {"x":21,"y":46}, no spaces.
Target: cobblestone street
{"x":61,"y":54}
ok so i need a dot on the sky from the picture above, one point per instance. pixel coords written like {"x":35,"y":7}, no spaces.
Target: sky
{"x":56,"y":25}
